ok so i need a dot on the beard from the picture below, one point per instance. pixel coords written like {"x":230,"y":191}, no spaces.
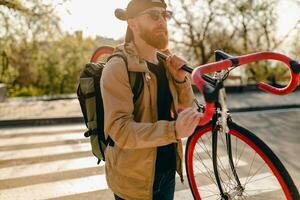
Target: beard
{"x":154,"y":39}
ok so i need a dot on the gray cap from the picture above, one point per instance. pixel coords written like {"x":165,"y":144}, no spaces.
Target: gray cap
{"x":134,"y":7}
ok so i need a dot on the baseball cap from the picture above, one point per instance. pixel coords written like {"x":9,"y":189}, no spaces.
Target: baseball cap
{"x":134,"y":7}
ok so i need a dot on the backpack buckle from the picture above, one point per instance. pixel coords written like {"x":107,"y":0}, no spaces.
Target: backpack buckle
{"x":88,"y":133}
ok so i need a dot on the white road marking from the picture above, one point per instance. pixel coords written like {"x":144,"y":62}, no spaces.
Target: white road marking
{"x":44,"y":151}
{"x":41,"y":129}
{"x":90,"y":183}
{"x":48,"y":167}
{"x":41,"y":139}
{"x":56,"y":189}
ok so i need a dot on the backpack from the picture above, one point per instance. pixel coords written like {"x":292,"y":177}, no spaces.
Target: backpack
{"x":90,"y":98}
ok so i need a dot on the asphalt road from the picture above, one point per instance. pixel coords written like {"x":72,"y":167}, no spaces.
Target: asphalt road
{"x":55,"y":162}
{"x":280,"y":130}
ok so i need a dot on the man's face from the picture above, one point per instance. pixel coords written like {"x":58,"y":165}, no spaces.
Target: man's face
{"x":152,"y":27}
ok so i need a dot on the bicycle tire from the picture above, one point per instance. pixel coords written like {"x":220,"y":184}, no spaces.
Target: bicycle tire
{"x":284,"y":185}
{"x":101,"y":51}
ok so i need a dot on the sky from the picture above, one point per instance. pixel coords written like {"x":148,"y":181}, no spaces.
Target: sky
{"x":96,"y":17}
{"x":93,"y":17}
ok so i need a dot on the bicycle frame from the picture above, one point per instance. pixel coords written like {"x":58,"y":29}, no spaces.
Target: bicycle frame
{"x":215,"y":109}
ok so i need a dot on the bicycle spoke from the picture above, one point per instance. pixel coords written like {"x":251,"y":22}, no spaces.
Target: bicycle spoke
{"x":209,"y":190}
{"x":250,"y":168}
{"x":207,"y":169}
{"x":259,"y":189}
{"x":205,"y":150}
{"x":240,"y":155}
{"x":256,"y":176}
{"x":261,"y":178}
{"x":236,"y":147}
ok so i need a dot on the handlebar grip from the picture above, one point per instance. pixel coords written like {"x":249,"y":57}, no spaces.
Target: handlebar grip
{"x":221,"y":55}
{"x":161,"y":55}
{"x":295,"y":66}
{"x":185,"y":67}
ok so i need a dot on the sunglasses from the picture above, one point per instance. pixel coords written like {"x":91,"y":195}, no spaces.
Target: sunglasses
{"x":155,"y":14}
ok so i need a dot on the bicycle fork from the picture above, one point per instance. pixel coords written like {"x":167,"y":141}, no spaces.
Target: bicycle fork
{"x":215,"y":159}
{"x":239,"y":189}
{"x":220,"y":123}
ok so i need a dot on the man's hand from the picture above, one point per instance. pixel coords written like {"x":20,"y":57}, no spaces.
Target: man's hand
{"x":186,"y":122}
{"x":174,"y":64}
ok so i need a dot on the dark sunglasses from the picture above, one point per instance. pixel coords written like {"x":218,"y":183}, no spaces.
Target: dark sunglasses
{"x":155,"y":14}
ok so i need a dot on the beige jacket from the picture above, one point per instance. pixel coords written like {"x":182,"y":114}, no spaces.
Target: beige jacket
{"x":130,"y":164}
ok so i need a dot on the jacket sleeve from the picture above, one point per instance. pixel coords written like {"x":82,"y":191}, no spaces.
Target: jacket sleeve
{"x":118,"y":106}
{"x":185,"y":93}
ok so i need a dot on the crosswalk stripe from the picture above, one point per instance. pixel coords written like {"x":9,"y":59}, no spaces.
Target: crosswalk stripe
{"x":81,"y":163}
{"x":256,"y":186}
{"x":92,"y":183}
{"x":47,"y":151}
{"x":40,"y":129}
{"x":48,"y":167}
{"x":56,"y":189}
{"x":40,"y":139}
{"x":44,"y":151}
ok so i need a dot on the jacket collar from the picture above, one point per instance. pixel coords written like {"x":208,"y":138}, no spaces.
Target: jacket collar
{"x":135,"y":63}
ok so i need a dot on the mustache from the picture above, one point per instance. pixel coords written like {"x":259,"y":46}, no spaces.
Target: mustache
{"x":160,"y":28}
{"x":165,"y":31}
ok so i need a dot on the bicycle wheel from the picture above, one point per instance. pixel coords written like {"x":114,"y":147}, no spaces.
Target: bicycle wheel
{"x":260,"y":172}
{"x":102,"y":53}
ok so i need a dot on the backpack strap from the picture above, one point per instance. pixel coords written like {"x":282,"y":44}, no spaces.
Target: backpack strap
{"x":135,"y":78}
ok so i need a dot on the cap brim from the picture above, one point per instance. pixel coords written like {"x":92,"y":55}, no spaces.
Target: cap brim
{"x":121,"y":14}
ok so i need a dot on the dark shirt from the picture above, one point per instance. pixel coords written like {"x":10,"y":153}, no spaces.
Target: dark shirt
{"x":166,"y":155}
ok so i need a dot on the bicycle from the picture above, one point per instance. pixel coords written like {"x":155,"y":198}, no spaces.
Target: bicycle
{"x":227,"y":176}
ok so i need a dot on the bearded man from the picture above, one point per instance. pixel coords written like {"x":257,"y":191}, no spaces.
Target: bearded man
{"x":147,"y":132}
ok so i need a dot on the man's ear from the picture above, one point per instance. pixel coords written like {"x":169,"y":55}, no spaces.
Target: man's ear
{"x":132,"y":24}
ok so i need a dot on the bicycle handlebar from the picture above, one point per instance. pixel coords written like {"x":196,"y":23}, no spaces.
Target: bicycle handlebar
{"x":293,"y":65}
{"x":228,"y":61}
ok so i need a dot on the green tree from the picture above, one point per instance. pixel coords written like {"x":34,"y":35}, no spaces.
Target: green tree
{"x":238,"y":27}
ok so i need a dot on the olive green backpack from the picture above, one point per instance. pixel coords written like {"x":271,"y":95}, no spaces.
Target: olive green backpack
{"x":90,"y":99}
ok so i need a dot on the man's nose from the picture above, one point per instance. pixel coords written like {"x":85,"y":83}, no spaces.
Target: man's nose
{"x":162,"y":21}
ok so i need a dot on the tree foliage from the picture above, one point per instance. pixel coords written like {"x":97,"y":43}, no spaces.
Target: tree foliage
{"x":236,"y":26}
{"x":36,"y":58}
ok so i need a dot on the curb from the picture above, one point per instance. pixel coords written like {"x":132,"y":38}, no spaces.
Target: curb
{"x":241,"y":89}
{"x":40,"y":122}
{"x":264,"y":108}
{"x":76,"y":120}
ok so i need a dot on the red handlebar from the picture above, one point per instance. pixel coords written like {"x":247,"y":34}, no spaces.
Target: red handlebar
{"x":279,"y":57}
{"x":201,"y":84}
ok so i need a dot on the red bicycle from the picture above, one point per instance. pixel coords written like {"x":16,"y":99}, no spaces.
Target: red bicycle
{"x":224,"y":160}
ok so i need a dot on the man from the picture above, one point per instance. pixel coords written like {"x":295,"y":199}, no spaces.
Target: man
{"x":147,"y":147}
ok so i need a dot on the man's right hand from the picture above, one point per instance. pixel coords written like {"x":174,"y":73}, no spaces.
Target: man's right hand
{"x":186,"y":122}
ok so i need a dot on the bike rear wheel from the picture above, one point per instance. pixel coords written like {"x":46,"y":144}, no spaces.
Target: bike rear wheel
{"x":260,"y":172}
{"x":102,"y":53}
